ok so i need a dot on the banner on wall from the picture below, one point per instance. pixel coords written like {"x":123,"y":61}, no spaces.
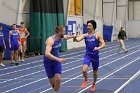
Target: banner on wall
{"x":74,"y":24}
{"x":71,"y":8}
{"x":78,"y":6}
{"x":107,"y":32}
{"x":71,"y":27}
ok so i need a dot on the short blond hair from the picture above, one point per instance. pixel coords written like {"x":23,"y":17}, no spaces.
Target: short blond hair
{"x":59,"y":29}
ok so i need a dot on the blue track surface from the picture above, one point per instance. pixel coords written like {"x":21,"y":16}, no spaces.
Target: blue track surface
{"x":115,"y":69}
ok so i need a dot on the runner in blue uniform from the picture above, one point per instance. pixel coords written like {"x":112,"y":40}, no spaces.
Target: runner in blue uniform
{"x":2,"y":45}
{"x":14,"y":44}
{"x":92,"y":41}
{"x":52,"y":60}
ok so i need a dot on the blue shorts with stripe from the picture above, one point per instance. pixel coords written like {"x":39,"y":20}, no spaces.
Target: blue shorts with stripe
{"x":14,"y":46}
{"x":93,"y":60}
{"x":52,"y":68}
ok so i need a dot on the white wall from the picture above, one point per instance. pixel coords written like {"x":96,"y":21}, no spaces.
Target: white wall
{"x":98,"y":12}
{"x":134,"y":7}
{"x":122,"y":11}
{"x":131,"y":17}
{"x":65,"y":5}
{"x":99,"y":28}
{"x":11,"y":14}
{"x":110,"y":14}
{"x":8,"y":11}
{"x":92,"y":9}
{"x":137,"y":10}
{"x":88,"y":9}
{"x":109,"y":11}
{"x":23,"y":15}
{"x":133,"y":29}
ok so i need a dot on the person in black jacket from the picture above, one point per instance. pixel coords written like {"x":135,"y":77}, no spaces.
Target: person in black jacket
{"x":121,"y":37}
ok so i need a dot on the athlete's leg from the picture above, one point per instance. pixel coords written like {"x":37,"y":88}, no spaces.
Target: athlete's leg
{"x":0,"y":57}
{"x":1,"y":64}
{"x":120,"y":46}
{"x":95,"y":65}
{"x":57,"y":80}
{"x":123,"y":45}
{"x":16,"y":49}
{"x":12,"y":57}
{"x":85,"y":70}
{"x":12,"y":53}
{"x":57,"y":68}
{"x":1,"y":51}
{"x":86,"y":64}
{"x":19,"y":52}
{"x":16,"y":56}
{"x":95,"y":75}
{"x":50,"y":73}
{"x":52,"y":82}
{"x":23,"y":51}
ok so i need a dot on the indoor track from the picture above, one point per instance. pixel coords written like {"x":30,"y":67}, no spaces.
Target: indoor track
{"x":115,"y":69}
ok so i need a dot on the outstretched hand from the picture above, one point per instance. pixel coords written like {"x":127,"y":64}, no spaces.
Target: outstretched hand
{"x":76,"y":35}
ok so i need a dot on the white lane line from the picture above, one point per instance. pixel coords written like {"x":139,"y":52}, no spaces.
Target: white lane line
{"x":63,"y":71}
{"x":91,"y":70}
{"x":112,"y":73}
{"x":20,"y":65}
{"x":98,"y":78}
{"x":38,"y":72}
{"x":68,"y":80}
{"x":72,"y":57}
{"x":127,"y":82}
{"x":9,"y":73}
{"x":42,"y":60}
{"x":114,"y":45}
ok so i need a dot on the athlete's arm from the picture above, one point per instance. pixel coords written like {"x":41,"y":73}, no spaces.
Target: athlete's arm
{"x":125,"y":34}
{"x":119,"y":34}
{"x":27,"y":33}
{"x":80,"y":38}
{"x":100,"y":38}
{"x":10,"y":39}
{"x":49,"y":44}
{"x":3,"y":42}
{"x":69,"y":37}
{"x":19,"y":37}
